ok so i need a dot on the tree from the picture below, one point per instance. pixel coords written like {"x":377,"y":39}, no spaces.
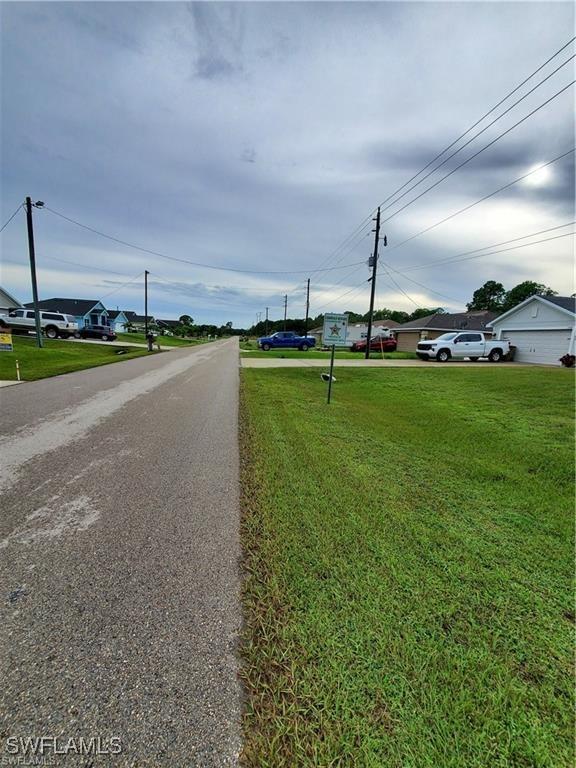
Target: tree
{"x":418,"y":314}
{"x":523,"y":291}
{"x":489,"y":297}
{"x":186,"y":320}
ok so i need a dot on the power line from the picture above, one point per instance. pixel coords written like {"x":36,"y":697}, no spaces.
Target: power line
{"x":10,"y":219}
{"x":196,"y":263}
{"x":471,"y":128}
{"x":500,"y":116}
{"x":421,"y":285}
{"x":465,"y":162}
{"x":457,"y":256}
{"x":482,"y":199}
{"x":123,"y":285}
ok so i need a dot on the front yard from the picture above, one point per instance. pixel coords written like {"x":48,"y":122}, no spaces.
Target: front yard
{"x":408,"y":567}
{"x":58,"y":357}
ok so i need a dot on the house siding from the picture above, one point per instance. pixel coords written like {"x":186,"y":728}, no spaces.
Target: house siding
{"x":547,"y":317}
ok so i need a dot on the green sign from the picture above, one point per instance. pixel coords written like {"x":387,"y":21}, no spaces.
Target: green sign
{"x":335,"y":330}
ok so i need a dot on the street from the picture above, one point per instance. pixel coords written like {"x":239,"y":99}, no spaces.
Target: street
{"x":120,"y":559}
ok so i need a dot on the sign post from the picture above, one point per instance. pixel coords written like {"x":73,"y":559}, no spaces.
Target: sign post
{"x":334,"y":334}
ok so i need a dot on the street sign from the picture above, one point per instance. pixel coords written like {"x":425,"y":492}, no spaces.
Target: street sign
{"x":335,"y":330}
{"x":6,"y":342}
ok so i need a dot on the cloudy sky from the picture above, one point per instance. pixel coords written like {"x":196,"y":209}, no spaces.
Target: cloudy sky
{"x":260,"y":136}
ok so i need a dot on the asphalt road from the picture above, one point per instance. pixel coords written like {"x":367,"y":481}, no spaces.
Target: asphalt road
{"x":119,"y":562}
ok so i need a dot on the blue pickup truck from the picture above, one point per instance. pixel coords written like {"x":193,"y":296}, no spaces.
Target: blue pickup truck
{"x":286,"y":340}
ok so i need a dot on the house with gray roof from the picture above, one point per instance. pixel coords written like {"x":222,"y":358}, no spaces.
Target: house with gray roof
{"x":85,"y":311}
{"x":430,"y":327}
{"x":542,"y":329}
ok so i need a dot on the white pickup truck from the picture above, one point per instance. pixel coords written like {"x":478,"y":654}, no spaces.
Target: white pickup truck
{"x":472,"y":345}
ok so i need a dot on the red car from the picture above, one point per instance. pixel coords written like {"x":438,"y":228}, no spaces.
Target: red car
{"x":377,"y":344}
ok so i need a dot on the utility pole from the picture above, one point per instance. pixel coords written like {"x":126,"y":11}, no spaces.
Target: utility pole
{"x":285,"y":308}
{"x":373,"y":278}
{"x":146,"y":273}
{"x":266,"y":329}
{"x":307,"y":305}
{"x":32,"y":253}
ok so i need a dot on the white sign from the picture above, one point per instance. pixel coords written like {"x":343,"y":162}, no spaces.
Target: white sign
{"x":335,"y":330}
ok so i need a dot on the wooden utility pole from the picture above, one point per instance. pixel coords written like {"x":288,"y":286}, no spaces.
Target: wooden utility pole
{"x":373,"y":287}
{"x":285,"y":309}
{"x":307,"y":305}
{"x":32,"y":253}
{"x":266,"y":329}
{"x":146,"y":273}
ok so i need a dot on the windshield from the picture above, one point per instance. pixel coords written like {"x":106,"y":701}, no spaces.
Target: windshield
{"x":446,"y":336}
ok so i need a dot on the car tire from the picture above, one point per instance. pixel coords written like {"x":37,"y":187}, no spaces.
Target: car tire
{"x":495,"y":356}
{"x":443,"y":355}
{"x":303,"y":347}
{"x":104,"y":337}
{"x":266,"y":347}
{"x":51,"y":332}
{"x":77,"y":335}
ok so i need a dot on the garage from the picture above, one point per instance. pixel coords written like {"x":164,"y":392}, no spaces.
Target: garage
{"x":543,"y":347}
{"x":541,"y":328}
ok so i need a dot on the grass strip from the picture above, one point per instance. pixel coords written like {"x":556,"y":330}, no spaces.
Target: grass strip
{"x":408,"y":561}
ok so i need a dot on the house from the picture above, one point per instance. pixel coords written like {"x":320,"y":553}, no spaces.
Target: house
{"x":430,"y":327}
{"x":119,"y":320}
{"x":384,"y":327}
{"x":7,"y":302}
{"x":85,"y":311}
{"x":168,"y":326}
{"x":138,"y":322}
{"x":541,"y":328}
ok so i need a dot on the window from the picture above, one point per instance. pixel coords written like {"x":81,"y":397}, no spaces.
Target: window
{"x":17,"y":313}
{"x":30,"y":314}
{"x":535,"y":309}
{"x":474,"y":337}
{"x":52,"y":316}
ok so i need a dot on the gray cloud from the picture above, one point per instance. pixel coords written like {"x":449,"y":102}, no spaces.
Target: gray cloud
{"x":259,"y":135}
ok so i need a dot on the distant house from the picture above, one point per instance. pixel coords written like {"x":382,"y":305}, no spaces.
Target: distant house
{"x":542,"y":328}
{"x":85,"y":311}
{"x":382,"y":326}
{"x":138,"y":322}
{"x":7,"y":302}
{"x":119,"y":320}
{"x":168,"y":326}
{"x":430,"y":327}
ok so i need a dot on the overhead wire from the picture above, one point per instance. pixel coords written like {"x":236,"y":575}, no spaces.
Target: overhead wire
{"x":189,"y":261}
{"x":482,"y":199}
{"x":456,"y":257}
{"x":11,"y":217}
{"x":479,"y":152}
{"x":484,"y":116}
{"x":457,"y":151}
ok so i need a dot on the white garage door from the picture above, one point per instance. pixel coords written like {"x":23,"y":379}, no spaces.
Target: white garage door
{"x":539,"y":346}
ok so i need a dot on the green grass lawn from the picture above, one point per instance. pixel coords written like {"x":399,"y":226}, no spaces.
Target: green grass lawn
{"x":165,"y":341}
{"x":58,"y":357}
{"x":408,"y":569}
{"x":317,"y":354}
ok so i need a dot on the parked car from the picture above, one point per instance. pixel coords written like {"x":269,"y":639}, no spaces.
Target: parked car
{"x":378,"y":343}
{"x":461,"y":345}
{"x":53,"y":324}
{"x":286,"y":340}
{"x":103,"y":332}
